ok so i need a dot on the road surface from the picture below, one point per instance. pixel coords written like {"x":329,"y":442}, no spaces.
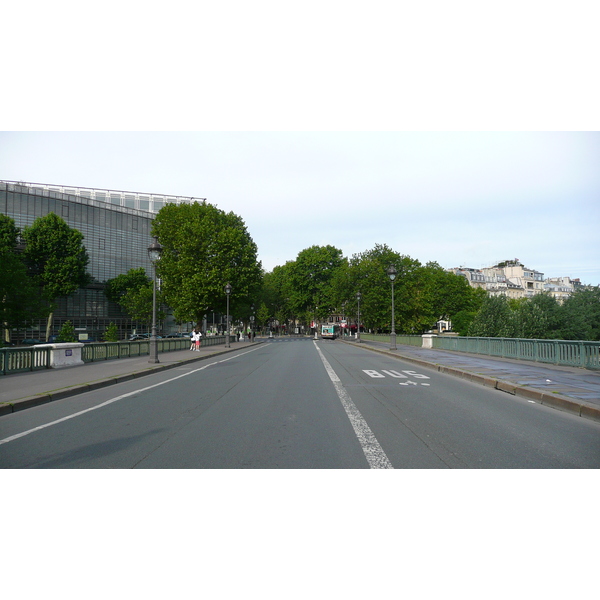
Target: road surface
{"x":297,"y":403}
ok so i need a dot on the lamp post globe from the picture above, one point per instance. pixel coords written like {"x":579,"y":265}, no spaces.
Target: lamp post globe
{"x":154,"y":252}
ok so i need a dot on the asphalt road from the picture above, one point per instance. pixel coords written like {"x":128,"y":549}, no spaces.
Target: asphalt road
{"x":297,"y":403}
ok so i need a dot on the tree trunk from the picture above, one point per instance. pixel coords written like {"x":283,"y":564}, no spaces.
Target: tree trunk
{"x":49,"y":326}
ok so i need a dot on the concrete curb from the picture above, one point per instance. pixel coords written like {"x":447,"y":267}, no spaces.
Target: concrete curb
{"x":7,"y":408}
{"x":564,"y":403}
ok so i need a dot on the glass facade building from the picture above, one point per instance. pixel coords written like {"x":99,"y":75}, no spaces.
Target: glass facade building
{"x":116,"y":228}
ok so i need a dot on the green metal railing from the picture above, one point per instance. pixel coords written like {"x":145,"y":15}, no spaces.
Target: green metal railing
{"x":17,"y":360}
{"x":571,"y":353}
{"x":568,"y":353}
{"x":110,"y":350}
{"x":407,"y":340}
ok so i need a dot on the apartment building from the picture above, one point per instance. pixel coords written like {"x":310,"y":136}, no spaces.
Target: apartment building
{"x":513,"y":280}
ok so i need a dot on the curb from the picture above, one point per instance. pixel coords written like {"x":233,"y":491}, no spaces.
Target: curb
{"x":7,"y":408}
{"x":564,"y":403}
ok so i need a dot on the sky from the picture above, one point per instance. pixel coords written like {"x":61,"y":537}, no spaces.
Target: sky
{"x":456,"y":134}
{"x":459,"y":199}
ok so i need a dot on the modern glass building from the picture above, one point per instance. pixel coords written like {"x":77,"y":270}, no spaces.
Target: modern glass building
{"x":116,"y":228}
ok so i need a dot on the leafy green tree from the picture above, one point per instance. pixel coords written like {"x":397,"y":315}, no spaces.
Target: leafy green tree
{"x":277,"y":291}
{"x":367,"y":274}
{"x":132,"y":291}
{"x":580,"y":315}
{"x":494,"y":318}
{"x":311,"y":281}
{"x":20,"y":300}
{"x":66,"y":333}
{"x":262,"y":314}
{"x":447,"y":294}
{"x":56,"y":258}
{"x":205,"y":248}
{"x":112,"y":333}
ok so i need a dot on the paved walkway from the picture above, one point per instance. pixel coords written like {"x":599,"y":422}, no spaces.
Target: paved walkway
{"x":566,"y":388}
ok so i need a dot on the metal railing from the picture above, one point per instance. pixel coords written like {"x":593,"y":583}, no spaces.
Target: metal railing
{"x":570,"y":353}
{"x":407,"y":340}
{"x":18,"y":360}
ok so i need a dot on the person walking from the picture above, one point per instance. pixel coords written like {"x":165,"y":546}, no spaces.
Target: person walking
{"x":198,"y":340}
{"x":195,"y":340}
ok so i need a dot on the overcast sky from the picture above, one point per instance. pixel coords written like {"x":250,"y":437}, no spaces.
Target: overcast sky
{"x":469,"y":199}
{"x":326,"y":125}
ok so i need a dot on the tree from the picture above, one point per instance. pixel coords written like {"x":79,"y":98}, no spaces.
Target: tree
{"x":367,"y":274}
{"x":66,"y":333}
{"x":20,"y":301}
{"x":311,"y":278}
{"x":580,"y":315}
{"x":56,"y":259}
{"x":112,"y":333}
{"x":262,"y":314}
{"x":448,"y":295}
{"x":132,"y":291}
{"x":494,"y":318}
{"x":205,"y":248}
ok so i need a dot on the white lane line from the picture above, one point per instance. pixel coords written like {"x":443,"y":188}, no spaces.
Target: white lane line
{"x":374,"y":453}
{"x":117,"y":398}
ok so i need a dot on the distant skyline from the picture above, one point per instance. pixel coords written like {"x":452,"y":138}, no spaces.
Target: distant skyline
{"x":460,"y":199}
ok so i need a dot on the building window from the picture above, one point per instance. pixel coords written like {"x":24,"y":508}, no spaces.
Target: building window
{"x":65,"y":210}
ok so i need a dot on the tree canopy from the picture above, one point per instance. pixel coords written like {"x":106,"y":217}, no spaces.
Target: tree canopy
{"x":540,"y":317}
{"x":20,"y":301}
{"x":204,"y":248}
{"x":321,"y":281}
{"x":132,"y":291}
{"x":56,"y":259}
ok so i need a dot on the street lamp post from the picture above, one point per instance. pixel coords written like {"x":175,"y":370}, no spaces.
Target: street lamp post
{"x":154,"y":252}
{"x":358,"y":297}
{"x":391,"y":272}
{"x":227,"y":293}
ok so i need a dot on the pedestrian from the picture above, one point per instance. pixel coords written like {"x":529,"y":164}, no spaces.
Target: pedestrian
{"x":198,"y":338}
{"x":193,"y":340}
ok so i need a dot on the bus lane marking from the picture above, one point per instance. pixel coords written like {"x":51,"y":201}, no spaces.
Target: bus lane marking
{"x":397,"y":375}
{"x":374,"y":453}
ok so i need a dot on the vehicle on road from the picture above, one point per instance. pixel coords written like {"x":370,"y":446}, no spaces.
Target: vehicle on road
{"x":331,"y":331}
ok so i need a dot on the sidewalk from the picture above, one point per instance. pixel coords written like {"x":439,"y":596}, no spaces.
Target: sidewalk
{"x":566,"y":388}
{"x":24,"y":390}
